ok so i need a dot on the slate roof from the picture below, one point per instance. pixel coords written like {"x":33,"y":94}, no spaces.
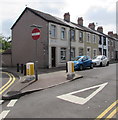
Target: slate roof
{"x":49,"y":18}
{"x":45,"y":16}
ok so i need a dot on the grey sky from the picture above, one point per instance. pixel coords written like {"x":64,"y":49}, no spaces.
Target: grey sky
{"x":117,"y":17}
{"x":101,"y":11}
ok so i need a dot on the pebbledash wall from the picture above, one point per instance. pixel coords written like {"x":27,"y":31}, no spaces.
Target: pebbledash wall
{"x":59,"y":44}
{"x":53,"y":48}
{"x":23,"y":46}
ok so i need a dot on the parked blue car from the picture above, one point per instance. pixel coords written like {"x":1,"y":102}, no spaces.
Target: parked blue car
{"x":82,"y":62}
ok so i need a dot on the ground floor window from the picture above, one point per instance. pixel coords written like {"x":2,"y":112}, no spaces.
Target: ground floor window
{"x":94,"y":52}
{"x":72,"y":53}
{"x":112,"y":55}
{"x":100,"y":51}
{"x":104,"y":52}
{"x":63,"y":54}
{"x":81,"y":51}
{"x":116,"y":55}
{"x":89,"y":51}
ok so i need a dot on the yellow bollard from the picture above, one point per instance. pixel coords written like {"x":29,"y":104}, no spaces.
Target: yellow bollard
{"x":30,"y":69}
{"x":70,"y":69}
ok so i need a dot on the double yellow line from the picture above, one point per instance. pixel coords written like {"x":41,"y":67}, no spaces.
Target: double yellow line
{"x":113,"y":113}
{"x":9,"y":83}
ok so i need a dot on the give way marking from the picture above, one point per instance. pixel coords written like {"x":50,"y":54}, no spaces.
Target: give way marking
{"x":80,"y":100}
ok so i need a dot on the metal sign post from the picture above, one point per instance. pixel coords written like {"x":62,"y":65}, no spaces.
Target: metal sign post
{"x":36,"y":36}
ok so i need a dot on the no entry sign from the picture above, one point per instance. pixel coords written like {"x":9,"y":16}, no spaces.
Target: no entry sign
{"x":35,"y":34}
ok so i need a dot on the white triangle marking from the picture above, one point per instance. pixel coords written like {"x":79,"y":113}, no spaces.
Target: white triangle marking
{"x":79,"y":100}
{"x":1,"y":101}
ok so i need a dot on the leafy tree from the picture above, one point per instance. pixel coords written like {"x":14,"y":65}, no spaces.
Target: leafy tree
{"x":4,"y":43}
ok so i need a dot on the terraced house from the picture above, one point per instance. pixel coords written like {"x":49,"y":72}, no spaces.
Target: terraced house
{"x":112,"y":46}
{"x":60,"y":41}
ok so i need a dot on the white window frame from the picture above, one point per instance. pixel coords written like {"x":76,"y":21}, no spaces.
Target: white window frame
{"x":72,"y":52}
{"x":111,"y":43}
{"x":81,"y":37}
{"x":53,"y":31}
{"x":93,"y":52}
{"x":63,"y":52}
{"x":63,"y":32}
{"x":94,"y":38}
{"x":89,"y":52}
{"x":88,"y":37}
{"x":73,"y":35}
{"x":81,"y":53}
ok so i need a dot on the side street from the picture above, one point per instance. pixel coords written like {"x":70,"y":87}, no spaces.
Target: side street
{"x":52,"y":67}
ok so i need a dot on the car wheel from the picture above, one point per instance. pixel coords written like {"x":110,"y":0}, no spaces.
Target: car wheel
{"x":81,"y":67}
{"x":101,"y":64}
{"x":107,"y":63}
{"x":91,"y":66}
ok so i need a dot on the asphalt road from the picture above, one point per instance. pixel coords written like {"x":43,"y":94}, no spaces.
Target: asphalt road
{"x":93,"y":93}
{"x":7,"y":80}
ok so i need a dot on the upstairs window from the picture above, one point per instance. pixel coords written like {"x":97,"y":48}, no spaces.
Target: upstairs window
{"x":81,"y":37}
{"x":88,"y":37}
{"x":104,"y":40}
{"x":100,"y":40}
{"x":62,"y":33}
{"x":72,"y":35}
{"x":53,"y":31}
{"x":94,"y":38}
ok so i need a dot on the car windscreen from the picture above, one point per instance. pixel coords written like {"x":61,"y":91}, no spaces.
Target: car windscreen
{"x":97,"y":57}
{"x":77,"y":58}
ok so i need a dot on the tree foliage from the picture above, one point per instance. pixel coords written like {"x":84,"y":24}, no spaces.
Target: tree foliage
{"x":5,"y":43}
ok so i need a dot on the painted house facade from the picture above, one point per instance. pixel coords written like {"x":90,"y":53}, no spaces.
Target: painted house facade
{"x":53,"y":45}
{"x":112,"y":46}
{"x":103,"y":42}
{"x":60,"y":39}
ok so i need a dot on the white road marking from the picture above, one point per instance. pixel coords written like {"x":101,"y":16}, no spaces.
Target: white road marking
{"x":34,"y":34}
{"x":1,"y":101}
{"x":4,"y":114}
{"x":12,"y":103}
{"x":79,"y":100}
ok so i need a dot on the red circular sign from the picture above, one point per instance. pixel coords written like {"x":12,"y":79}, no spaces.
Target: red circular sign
{"x":35,"y":33}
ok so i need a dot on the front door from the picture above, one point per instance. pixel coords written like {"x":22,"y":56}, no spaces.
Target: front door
{"x":53,"y":57}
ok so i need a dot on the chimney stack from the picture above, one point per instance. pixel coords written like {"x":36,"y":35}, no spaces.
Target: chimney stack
{"x":67,"y":17}
{"x":100,"y":29}
{"x":80,"y":21}
{"x":91,"y":26}
{"x":110,"y":33}
{"x":115,"y":35}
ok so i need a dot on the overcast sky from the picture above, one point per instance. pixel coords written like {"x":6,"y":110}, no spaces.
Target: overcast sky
{"x":101,"y":12}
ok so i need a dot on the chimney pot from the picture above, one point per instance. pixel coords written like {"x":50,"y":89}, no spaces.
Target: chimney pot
{"x":100,"y":29}
{"x":67,"y":17}
{"x":110,"y":33}
{"x":80,"y":21}
{"x":115,"y":35}
{"x":91,"y":26}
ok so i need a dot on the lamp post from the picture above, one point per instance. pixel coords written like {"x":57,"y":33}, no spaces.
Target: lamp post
{"x":71,"y":40}
{"x":35,"y":36}
{"x":70,"y":43}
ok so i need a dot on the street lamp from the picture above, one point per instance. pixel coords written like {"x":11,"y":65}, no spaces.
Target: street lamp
{"x":36,"y":61}
{"x":71,"y":39}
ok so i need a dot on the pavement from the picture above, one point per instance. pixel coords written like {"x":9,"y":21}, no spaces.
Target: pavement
{"x":47,"y":78}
